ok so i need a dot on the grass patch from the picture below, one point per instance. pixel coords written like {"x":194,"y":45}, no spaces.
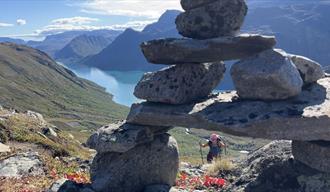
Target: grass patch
{"x":220,"y":165}
{"x":22,"y":128}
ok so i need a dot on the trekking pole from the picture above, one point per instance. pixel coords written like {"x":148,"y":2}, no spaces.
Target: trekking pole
{"x":201,"y":151}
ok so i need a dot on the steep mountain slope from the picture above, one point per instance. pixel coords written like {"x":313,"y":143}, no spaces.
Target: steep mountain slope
{"x":54,"y":43}
{"x":80,"y":47}
{"x":124,"y":52}
{"x":31,"y":80}
{"x":12,"y":40}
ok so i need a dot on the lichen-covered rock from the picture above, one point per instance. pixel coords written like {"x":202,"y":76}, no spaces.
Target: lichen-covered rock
{"x":122,"y":137}
{"x":191,"y":4}
{"x":152,"y":163}
{"x":310,"y":70}
{"x":315,"y":154}
{"x":270,"y":75}
{"x":272,"y":168}
{"x":22,"y":165}
{"x":180,"y":84}
{"x":305,"y":117}
{"x":182,"y":51}
{"x":220,"y":18}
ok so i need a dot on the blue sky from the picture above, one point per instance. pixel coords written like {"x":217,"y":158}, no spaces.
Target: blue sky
{"x":33,"y":19}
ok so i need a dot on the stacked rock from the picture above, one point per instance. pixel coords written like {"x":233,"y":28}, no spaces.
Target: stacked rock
{"x":131,"y":158}
{"x":277,"y":94}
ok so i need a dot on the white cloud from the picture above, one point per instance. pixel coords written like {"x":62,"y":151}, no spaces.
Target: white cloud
{"x":6,"y":24}
{"x":74,"y":21}
{"x":132,"y":8}
{"x":21,"y":21}
{"x":84,"y":23}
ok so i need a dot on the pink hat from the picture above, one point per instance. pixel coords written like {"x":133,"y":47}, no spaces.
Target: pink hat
{"x":214,"y":137}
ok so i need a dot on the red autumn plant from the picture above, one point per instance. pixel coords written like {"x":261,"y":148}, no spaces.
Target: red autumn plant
{"x":78,"y":177}
{"x":190,"y":183}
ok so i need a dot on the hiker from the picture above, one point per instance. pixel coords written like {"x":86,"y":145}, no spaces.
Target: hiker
{"x":215,"y":145}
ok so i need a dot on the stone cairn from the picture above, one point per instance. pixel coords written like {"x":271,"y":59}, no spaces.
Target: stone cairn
{"x":278,"y":96}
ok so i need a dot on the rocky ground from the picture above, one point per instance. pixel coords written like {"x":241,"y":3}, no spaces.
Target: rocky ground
{"x":34,"y":154}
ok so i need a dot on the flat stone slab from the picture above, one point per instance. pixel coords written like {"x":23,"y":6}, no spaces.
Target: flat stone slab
{"x":179,"y":84}
{"x":122,"y":137}
{"x":305,"y":117}
{"x":314,"y":154}
{"x":178,"y":51}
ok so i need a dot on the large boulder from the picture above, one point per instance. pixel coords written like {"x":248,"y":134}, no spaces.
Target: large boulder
{"x":152,"y":163}
{"x":191,"y":4}
{"x":180,"y":84}
{"x":310,"y":70}
{"x":270,"y":75}
{"x":315,"y":154}
{"x":220,"y":18}
{"x":22,"y":165}
{"x":122,"y":137}
{"x":272,"y":168}
{"x":178,"y":51}
{"x":306,"y":117}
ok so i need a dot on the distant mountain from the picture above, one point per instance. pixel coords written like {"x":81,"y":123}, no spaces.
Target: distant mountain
{"x":300,"y":26}
{"x":81,"y":47}
{"x":124,"y":52}
{"x":12,"y":40}
{"x":31,"y":80}
{"x":54,"y":43}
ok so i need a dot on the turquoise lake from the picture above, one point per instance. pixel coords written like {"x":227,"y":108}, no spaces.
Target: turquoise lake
{"x":121,"y":84}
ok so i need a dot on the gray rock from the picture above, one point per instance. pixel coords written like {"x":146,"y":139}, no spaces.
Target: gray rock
{"x":306,"y":117}
{"x":178,"y":51}
{"x":310,"y":70}
{"x":220,"y":18}
{"x":122,"y":137}
{"x":270,"y":75}
{"x":272,"y":168}
{"x":157,"y":188}
{"x":180,"y":84}
{"x":314,"y":154}
{"x":191,"y":4}
{"x":64,"y":185}
{"x":49,"y":132}
{"x":36,"y":116}
{"x":4,"y":148}
{"x":22,"y":165}
{"x":152,"y":163}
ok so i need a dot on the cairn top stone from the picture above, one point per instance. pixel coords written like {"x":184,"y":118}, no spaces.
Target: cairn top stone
{"x":219,"y":18}
{"x":310,"y":70}
{"x":191,"y":4}
{"x":305,"y":117}
{"x":269,"y":75}
{"x":180,"y":84}
{"x":180,"y":51}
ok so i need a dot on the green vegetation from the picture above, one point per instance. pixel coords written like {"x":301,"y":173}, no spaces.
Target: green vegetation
{"x":190,"y":150}
{"x":22,"y":128}
{"x":31,"y":80}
